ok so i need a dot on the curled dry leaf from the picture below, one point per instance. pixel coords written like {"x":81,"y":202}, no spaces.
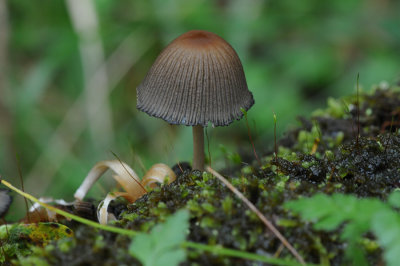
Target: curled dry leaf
{"x":127,"y":178}
{"x":157,"y":174}
{"x":102,"y":214}
{"x":124,"y":175}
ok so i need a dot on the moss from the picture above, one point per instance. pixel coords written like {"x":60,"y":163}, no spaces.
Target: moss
{"x":322,"y":155}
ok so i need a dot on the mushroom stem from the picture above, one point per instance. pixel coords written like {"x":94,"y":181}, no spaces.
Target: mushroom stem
{"x":198,"y":148}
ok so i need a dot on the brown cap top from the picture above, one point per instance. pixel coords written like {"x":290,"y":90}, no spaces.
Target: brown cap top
{"x":198,"y":78}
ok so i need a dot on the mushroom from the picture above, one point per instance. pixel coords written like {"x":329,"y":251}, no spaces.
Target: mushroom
{"x":198,"y":78}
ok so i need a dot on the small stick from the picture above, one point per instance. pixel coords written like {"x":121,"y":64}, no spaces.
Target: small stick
{"x":358,"y":111}
{"x":251,"y":206}
{"x":216,"y":249}
{"x":208,"y":146}
{"x":22,"y":186}
{"x":275,"y":144}
{"x":180,"y":167}
{"x":134,"y":179}
{"x":70,"y":215}
{"x":249,"y":134}
{"x":198,"y":148}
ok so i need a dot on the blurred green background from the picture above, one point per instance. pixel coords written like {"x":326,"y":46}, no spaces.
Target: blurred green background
{"x":69,"y":69}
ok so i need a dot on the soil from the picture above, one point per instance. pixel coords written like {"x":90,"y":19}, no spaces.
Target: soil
{"x":353,"y":150}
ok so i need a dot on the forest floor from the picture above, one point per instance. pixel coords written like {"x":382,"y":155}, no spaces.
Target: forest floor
{"x":351,"y":147}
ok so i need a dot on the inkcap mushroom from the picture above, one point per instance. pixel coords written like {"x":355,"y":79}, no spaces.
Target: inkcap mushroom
{"x":198,"y":78}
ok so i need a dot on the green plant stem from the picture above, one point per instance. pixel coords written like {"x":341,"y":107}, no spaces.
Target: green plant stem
{"x":250,"y":138}
{"x":219,"y":250}
{"x":69,"y":215}
{"x":264,"y":219}
{"x":275,"y":144}
{"x":238,"y":254}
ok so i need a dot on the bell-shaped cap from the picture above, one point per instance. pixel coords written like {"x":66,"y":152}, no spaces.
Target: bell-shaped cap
{"x":198,"y":78}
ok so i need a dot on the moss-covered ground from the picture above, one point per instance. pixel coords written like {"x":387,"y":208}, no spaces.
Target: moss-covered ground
{"x":351,"y":147}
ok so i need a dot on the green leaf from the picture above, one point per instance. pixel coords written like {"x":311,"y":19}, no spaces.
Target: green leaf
{"x":394,"y":199}
{"x":329,"y":212}
{"x":163,"y":245}
{"x":18,"y":239}
{"x":386,"y":226}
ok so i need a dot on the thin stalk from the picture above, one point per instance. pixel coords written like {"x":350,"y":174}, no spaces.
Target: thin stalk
{"x":22,"y":186}
{"x":358,"y":110}
{"x":264,"y":219}
{"x":216,"y":249}
{"x":134,"y":179}
{"x":251,"y":139}
{"x":208,"y":148}
{"x":69,"y":215}
{"x":219,"y":250}
{"x":198,"y":148}
{"x":275,"y":143}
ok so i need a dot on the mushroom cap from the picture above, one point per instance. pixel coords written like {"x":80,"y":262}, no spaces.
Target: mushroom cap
{"x":198,"y":78}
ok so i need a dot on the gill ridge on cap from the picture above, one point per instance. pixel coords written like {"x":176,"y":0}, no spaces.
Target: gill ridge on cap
{"x":174,"y":93}
{"x":162,"y":78}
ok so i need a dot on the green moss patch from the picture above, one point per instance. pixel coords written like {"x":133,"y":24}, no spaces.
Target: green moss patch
{"x":324,"y":155}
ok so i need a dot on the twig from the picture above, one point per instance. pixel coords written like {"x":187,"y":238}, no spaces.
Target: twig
{"x":208,"y":147}
{"x":22,"y":186}
{"x":358,"y":110}
{"x":267,"y":223}
{"x":134,"y":179}
{"x":249,"y":134}
{"x":219,"y":250}
{"x":275,"y":144}
{"x":69,"y":215}
{"x":216,"y":249}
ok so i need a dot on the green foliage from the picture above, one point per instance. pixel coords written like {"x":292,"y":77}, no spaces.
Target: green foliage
{"x":394,"y":199}
{"x":18,"y":239}
{"x":291,"y":50}
{"x":306,"y":139}
{"x":162,"y":246}
{"x":336,"y":108}
{"x":231,"y":157}
{"x":358,"y":216}
{"x":386,"y":226}
{"x":32,"y":261}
